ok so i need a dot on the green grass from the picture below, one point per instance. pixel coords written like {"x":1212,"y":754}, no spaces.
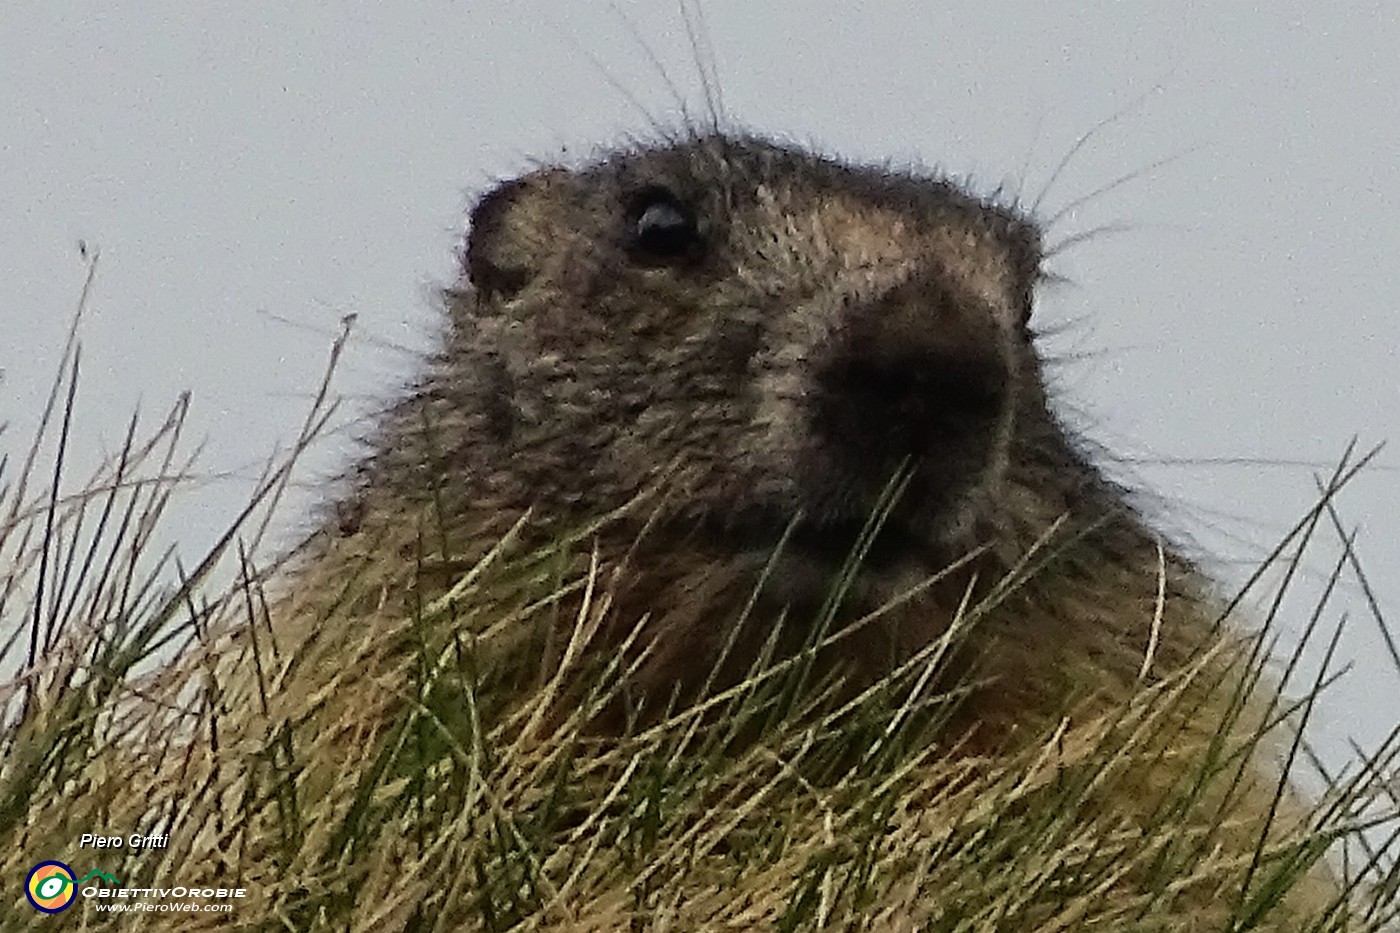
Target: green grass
{"x":362,"y":750}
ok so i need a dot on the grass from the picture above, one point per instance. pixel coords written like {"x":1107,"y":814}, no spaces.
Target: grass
{"x":360,"y":750}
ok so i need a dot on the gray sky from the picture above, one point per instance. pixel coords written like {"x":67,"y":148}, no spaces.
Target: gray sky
{"x":237,"y":164}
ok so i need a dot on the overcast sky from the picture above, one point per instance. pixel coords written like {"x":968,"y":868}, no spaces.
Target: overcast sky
{"x":242,"y":166}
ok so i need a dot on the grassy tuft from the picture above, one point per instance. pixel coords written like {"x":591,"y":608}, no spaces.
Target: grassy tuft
{"x":390,"y":741}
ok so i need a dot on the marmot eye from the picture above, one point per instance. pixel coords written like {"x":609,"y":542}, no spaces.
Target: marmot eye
{"x":663,"y":227}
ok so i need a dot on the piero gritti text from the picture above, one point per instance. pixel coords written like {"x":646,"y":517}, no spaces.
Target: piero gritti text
{"x":133,"y":841}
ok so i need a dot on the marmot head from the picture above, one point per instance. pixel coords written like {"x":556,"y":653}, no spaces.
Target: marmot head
{"x":792,"y":330}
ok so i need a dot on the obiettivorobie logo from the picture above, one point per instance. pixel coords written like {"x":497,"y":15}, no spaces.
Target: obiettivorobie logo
{"x":51,"y":887}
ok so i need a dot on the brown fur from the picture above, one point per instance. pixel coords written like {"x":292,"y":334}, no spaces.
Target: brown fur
{"x":827,"y":325}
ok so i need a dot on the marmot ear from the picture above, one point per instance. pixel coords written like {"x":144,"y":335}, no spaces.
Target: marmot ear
{"x":504,"y":238}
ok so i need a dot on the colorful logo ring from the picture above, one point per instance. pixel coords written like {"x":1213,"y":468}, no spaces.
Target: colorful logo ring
{"x":50,"y":887}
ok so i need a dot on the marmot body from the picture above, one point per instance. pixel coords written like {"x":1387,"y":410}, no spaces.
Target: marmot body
{"x":788,"y":333}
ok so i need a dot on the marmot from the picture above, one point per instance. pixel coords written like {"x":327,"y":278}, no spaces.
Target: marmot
{"x":790,"y":333}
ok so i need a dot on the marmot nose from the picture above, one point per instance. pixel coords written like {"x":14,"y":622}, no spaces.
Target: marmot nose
{"x":909,"y":403}
{"x":915,"y":371}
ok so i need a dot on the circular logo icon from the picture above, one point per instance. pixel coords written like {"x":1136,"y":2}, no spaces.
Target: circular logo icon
{"x":50,"y":887}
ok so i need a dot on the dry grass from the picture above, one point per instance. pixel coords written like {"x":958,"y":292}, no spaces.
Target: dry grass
{"x":360,"y":751}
